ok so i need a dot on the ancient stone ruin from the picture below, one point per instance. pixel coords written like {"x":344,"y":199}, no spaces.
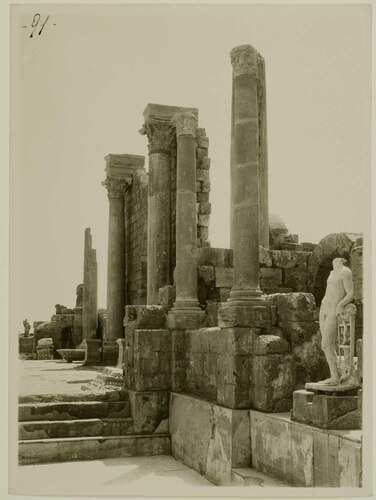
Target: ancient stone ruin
{"x":213,"y":347}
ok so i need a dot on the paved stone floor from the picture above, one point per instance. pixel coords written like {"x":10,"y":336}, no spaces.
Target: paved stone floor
{"x":53,"y":377}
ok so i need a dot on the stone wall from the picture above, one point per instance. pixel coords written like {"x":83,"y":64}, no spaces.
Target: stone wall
{"x":135,"y":207}
{"x":202,"y":188}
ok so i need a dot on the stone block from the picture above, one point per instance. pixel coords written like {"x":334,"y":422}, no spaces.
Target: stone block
{"x":167,"y":296}
{"x":287,"y":260}
{"x":202,"y":197}
{"x":202,"y":174}
{"x":224,"y":277}
{"x":302,"y":406}
{"x":204,"y":208}
{"x":297,"y":278}
{"x":291,"y":246}
{"x":205,"y":163}
{"x":143,"y":316}
{"x":230,"y":315}
{"x":270,"y":344}
{"x":180,"y":320}
{"x":237,"y":341}
{"x":271,"y":446}
{"x":309,"y":359}
{"x":208,"y":438}
{"x":203,"y":142}
{"x":298,"y":332}
{"x":335,"y":412}
{"x":356,"y":264}
{"x":265,"y":257}
{"x":350,"y":463}
{"x":205,"y":186}
{"x":321,"y":456}
{"x":296,"y":306}
{"x":203,"y":220}
{"x":202,"y":152}
{"x":212,"y":314}
{"x":302,"y":455}
{"x":270,"y":277}
{"x":148,"y":409}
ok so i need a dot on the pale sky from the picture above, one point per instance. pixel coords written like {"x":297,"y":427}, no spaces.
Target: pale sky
{"x":79,"y":89}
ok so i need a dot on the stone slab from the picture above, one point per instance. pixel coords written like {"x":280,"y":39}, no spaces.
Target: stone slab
{"x":91,"y":448}
{"x":180,"y":320}
{"x":230,"y":315}
{"x":148,"y":409}
{"x":209,"y":438}
{"x":314,"y":386}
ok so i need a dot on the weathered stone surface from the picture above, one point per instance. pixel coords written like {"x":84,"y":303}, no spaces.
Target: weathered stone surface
{"x":297,"y":278}
{"x":217,"y":257}
{"x":309,"y":358}
{"x":265,"y":257}
{"x":209,"y":438}
{"x":302,"y":456}
{"x":273,"y":382}
{"x":243,"y":316}
{"x":224,"y":277}
{"x":186,"y":320}
{"x":271,"y":446}
{"x":148,"y":409}
{"x":270,"y":277}
{"x":54,"y":450}
{"x":356,"y":264}
{"x":294,"y":306}
{"x":287,"y":260}
{"x":321,"y":454}
{"x":145,"y":316}
{"x":206,"y":274}
{"x":350,"y":463}
{"x":212,"y":314}
{"x":270,"y":344}
{"x":167,"y":296}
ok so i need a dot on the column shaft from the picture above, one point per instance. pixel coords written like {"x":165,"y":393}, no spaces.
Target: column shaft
{"x":264,"y":190}
{"x":115,"y":270}
{"x":158,"y":227}
{"x":86,"y":299}
{"x":186,"y":219}
{"x":245,"y":178}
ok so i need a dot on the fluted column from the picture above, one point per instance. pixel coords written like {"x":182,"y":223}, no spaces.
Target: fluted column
{"x":245,"y":178}
{"x":186,"y":218}
{"x":160,"y":136}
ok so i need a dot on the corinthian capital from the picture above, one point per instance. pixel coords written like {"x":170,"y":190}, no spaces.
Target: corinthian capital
{"x":245,"y":60}
{"x":185,"y":122}
{"x":116,"y":187}
{"x":160,"y":136}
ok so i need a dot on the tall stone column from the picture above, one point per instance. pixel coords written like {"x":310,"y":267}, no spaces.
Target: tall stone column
{"x":245,"y":179}
{"x":160,"y":136}
{"x":94,"y":294}
{"x":87,"y":302}
{"x":118,"y":177}
{"x":264,"y":190}
{"x":186,"y":218}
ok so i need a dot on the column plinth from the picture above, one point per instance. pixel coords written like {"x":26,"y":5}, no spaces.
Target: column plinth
{"x":245,"y":178}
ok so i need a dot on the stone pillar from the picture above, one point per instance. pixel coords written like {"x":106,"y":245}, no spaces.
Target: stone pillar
{"x":160,"y":136}
{"x":264,"y":190}
{"x":93,"y":294}
{"x":186,"y":218}
{"x":245,"y":178}
{"x":118,"y":178}
{"x":87,"y":305}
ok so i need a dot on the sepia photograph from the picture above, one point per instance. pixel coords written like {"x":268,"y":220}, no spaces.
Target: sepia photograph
{"x":190,"y":250}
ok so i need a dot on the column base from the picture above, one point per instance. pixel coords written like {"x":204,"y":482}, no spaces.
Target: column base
{"x":186,"y":306}
{"x":92,"y":352}
{"x":121,"y":347}
{"x":110,"y":353}
{"x":241,"y":297}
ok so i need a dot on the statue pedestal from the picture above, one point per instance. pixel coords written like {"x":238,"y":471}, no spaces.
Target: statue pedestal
{"x":327,"y":407}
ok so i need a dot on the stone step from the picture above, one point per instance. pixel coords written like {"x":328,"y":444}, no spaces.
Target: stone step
{"x":75,"y":428}
{"x":73,"y":410}
{"x":92,"y":448}
{"x":111,"y":395}
{"x":247,"y":476}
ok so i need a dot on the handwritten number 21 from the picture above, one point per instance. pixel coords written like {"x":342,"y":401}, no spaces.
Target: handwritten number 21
{"x":35,"y":24}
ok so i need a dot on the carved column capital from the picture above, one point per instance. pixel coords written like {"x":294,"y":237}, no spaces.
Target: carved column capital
{"x":160,"y":136}
{"x":245,"y":61}
{"x":116,"y":187}
{"x":186,"y":123}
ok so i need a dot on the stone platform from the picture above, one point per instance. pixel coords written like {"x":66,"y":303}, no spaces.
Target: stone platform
{"x":218,"y":441}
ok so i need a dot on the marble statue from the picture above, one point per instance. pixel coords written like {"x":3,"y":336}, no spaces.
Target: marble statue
{"x":27,"y":327}
{"x":333,"y":311}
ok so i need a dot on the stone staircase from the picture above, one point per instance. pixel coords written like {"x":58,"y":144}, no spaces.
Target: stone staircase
{"x":59,"y":428}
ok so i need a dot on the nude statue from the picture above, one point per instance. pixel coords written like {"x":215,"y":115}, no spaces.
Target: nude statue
{"x":339,"y":293}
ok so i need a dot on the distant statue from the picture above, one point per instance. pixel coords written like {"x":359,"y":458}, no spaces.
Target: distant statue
{"x":333,"y":311}
{"x":27,"y":327}
{"x":80,"y":295}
